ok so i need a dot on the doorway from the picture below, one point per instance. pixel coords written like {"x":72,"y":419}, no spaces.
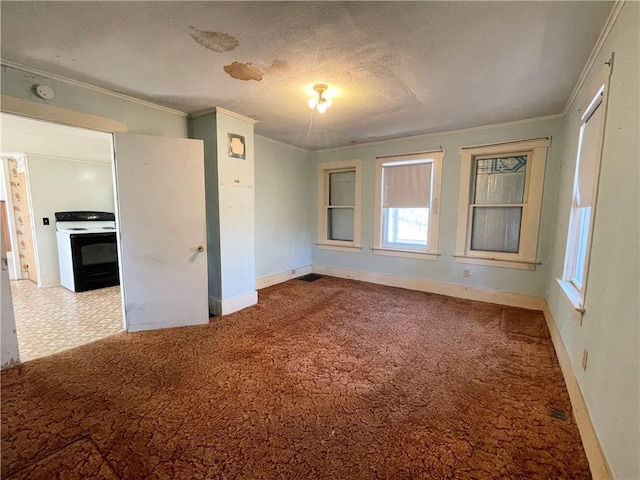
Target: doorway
{"x":160,"y":219}
{"x":48,"y":168}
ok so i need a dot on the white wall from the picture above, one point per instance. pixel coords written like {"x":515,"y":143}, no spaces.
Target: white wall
{"x":284,"y":229}
{"x":57,"y":185}
{"x":445,"y":269}
{"x":609,"y":330}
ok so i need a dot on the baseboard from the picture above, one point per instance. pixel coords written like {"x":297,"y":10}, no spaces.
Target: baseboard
{"x":145,"y":327}
{"x":595,"y":455}
{"x":460,"y":291}
{"x":220,"y":307}
{"x":268,"y":280}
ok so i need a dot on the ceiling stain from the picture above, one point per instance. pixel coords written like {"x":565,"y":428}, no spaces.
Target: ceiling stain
{"x":243,"y":71}
{"x":214,"y":41}
{"x":278,"y":66}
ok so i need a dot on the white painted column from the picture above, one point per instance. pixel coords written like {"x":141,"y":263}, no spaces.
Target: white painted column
{"x":230,"y":198}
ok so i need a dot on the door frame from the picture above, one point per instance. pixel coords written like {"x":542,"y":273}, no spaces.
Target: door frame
{"x":33,"y":272}
{"x":54,"y":114}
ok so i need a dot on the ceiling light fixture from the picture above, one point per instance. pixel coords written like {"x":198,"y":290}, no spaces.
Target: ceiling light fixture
{"x":321,"y":103}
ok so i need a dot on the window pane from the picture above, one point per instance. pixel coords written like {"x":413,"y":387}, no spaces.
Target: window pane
{"x":405,"y":226}
{"x":342,"y":188}
{"x":340,"y":224}
{"x":496,"y":229}
{"x":582,"y":232}
{"x":500,"y":180}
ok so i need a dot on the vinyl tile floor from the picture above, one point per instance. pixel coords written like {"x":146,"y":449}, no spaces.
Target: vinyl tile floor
{"x":54,"y":319}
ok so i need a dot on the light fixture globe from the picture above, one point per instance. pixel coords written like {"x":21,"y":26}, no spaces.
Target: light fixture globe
{"x":321,"y":104}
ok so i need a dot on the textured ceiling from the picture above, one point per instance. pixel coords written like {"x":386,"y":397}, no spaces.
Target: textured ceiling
{"x":396,"y":68}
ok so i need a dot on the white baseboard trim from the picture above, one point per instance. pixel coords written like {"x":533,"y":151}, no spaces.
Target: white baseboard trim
{"x":268,"y":280}
{"x":162,"y":325}
{"x":595,"y":455}
{"x":450,"y":289}
{"x":229,"y":305}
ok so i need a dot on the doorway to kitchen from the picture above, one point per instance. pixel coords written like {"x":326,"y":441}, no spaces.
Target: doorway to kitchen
{"x":49,"y":168}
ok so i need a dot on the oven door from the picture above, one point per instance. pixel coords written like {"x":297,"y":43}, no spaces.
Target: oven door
{"x":95,"y":260}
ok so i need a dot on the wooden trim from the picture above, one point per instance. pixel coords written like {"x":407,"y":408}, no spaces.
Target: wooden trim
{"x":390,"y":252}
{"x":268,"y":280}
{"x":42,"y":111}
{"x":437,"y":157}
{"x":495,"y":262}
{"x":509,"y":147}
{"x":595,"y":455}
{"x":599,"y":86}
{"x":221,"y":307}
{"x":536,"y":149}
{"x":323,"y":200}
{"x":340,"y":248}
{"x":511,"y":299}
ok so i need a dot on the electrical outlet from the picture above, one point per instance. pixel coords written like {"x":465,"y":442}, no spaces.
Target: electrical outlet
{"x":466,"y":273}
{"x":585,"y":356}
{"x":45,"y":220}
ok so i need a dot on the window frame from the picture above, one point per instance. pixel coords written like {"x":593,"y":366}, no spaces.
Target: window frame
{"x":576,"y":294}
{"x":525,"y":258}
{"x":324,"y":170}
{"x":430,"y":252}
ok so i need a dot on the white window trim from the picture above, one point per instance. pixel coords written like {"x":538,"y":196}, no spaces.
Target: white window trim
{"x":525,"y":259}
{"x":431,"y":252}
{"x":322,"y":200}
{"x":576,"y":296}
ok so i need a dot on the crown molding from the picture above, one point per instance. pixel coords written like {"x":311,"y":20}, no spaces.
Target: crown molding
{"x":201,"y":113}
{"x":611,"y":20}
{"x":235,"y":115}
{"x":284,"y":144}
{"x":443,"y":133}
{"x":88,"y":86}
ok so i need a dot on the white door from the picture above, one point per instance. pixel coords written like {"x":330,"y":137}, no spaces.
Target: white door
{"x":161,"y":219}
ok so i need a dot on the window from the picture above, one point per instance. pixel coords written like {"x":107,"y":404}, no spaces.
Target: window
{"x":406,"y":198}
{"x":339,"y":187}
{"x":499,"y":204}
{"x":583,"y":201}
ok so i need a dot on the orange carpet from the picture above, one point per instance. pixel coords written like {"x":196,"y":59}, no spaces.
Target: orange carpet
{"x":333,"y":379}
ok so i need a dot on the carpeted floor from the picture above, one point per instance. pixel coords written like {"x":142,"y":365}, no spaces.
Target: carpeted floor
{"x":333,"y":379}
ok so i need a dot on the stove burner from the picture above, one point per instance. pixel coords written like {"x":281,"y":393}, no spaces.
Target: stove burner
{"x":77,"y":228}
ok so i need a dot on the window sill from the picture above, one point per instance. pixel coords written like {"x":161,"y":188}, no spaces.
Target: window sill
{"x":339,"y":248}
{"x":571,"y":294}
{"x":392,"y":252}
{"x":496,"y":262}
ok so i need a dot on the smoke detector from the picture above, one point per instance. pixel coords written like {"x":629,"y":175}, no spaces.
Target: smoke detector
{"x":44,"y":91}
